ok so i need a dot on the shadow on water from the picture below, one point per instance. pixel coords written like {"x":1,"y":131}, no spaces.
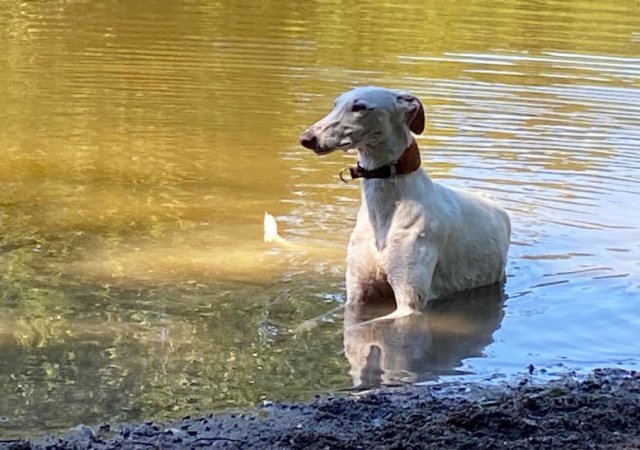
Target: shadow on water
{"x":422,"y":346}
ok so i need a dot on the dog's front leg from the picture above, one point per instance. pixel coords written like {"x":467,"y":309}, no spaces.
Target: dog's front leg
{"x":362,"y":275}
{"x":410,"y":263}
{"x":365,"y":278}
{"x":356,"y":289}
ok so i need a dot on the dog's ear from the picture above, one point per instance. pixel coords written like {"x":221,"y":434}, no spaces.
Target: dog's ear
{"x":414,"y":112}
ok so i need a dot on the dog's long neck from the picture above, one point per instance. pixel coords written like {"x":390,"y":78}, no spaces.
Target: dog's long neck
{"x":374,"y":155}
{"x":382,"y":196}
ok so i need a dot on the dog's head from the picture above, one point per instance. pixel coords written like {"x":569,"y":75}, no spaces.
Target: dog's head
{"x":367,"y":118}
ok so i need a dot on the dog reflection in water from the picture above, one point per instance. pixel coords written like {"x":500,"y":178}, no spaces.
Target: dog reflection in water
{"x":420,"y":346}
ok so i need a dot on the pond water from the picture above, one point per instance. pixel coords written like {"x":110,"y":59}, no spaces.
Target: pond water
{"x":141,"y":143}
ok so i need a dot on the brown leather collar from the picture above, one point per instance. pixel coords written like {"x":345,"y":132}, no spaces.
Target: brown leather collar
{"x":408,"y":162}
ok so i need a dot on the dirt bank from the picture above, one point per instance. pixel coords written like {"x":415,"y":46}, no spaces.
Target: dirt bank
{"x":598,"y":411}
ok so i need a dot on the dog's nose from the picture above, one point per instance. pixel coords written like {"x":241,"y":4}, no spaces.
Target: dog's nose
{"x":309,"y":140}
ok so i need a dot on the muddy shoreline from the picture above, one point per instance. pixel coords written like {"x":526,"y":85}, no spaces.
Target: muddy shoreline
{"x":601,"y":410}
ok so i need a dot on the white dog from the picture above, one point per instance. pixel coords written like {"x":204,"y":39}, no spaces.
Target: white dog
{"x":413,"y":237}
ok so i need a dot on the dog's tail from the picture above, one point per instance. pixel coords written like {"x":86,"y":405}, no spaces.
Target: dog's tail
{"x":271,"y":231}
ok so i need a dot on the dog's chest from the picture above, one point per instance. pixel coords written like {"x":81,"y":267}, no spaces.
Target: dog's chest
{"x":394,"y":214}
{"x":403,"y":225}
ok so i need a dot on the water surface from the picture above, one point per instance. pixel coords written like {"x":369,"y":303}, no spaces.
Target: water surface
{"x":141,"y":143}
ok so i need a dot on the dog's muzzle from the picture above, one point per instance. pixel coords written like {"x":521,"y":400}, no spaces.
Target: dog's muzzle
{"x":309,"y":140}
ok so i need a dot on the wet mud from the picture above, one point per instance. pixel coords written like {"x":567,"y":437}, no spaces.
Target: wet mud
{"x":601,"y":410}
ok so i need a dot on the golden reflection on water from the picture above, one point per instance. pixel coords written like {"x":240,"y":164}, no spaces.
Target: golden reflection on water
{"x":142,"y":142}
{"x":176,"y":260}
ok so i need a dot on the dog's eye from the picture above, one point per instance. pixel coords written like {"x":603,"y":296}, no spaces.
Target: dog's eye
{"x":358,"y":107}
